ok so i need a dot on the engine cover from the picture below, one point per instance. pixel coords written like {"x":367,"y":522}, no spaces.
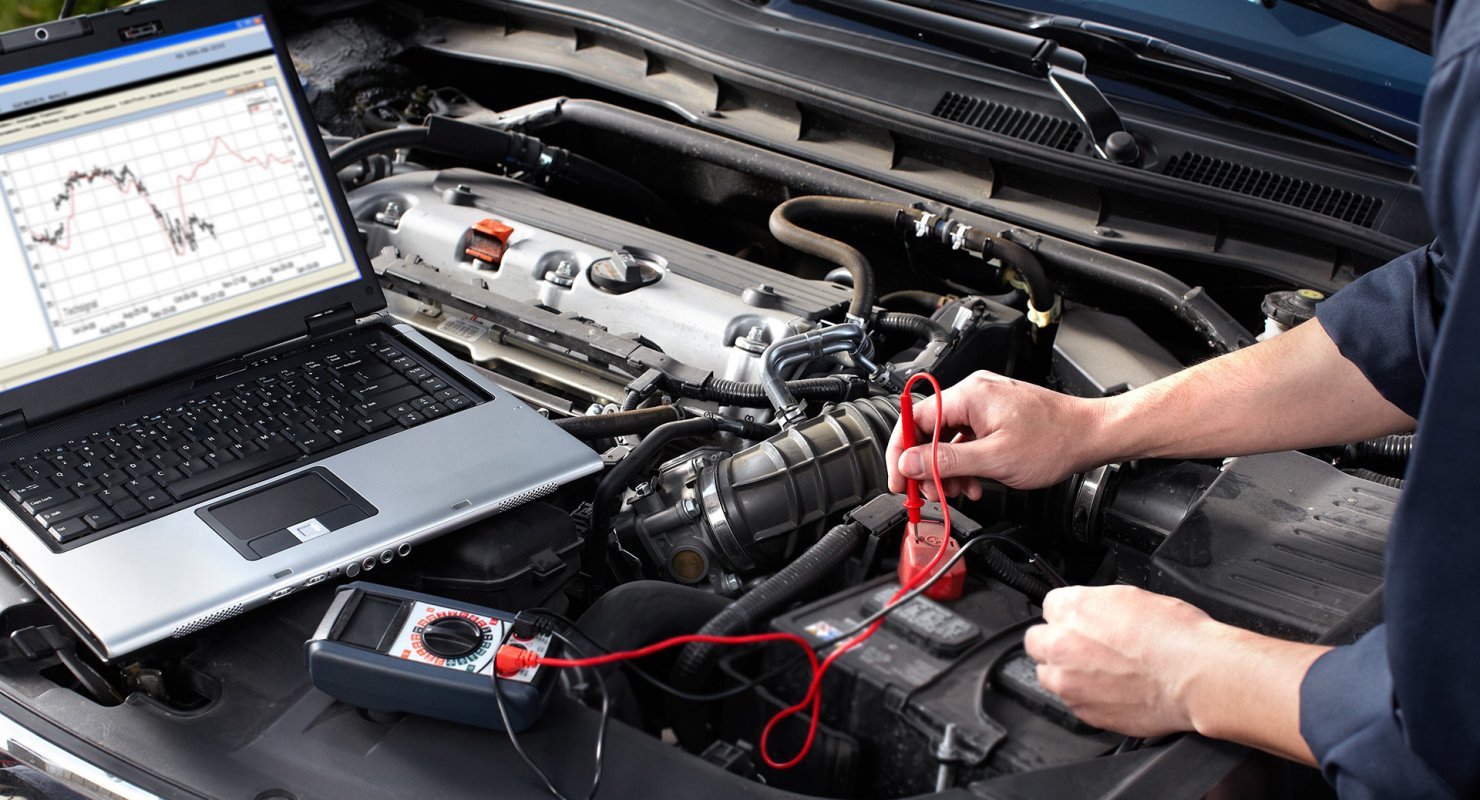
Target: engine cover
{"x":702,"y":308}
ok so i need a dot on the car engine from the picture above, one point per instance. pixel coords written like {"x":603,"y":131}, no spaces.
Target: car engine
{"x":743,"y":398}
{"x":731,"y":328}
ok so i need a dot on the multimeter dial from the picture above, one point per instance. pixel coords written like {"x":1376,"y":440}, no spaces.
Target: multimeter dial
{"x":451,"y":638}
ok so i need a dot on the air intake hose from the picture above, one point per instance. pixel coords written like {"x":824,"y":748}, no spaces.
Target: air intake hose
{"x":725,"y":517}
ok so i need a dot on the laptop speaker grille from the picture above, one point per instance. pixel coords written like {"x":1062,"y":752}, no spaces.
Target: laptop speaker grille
{"x":207,"y":621}
{"x":1018,"y":123}
{"x":524,"y":497}
{"x":1329,"y":201}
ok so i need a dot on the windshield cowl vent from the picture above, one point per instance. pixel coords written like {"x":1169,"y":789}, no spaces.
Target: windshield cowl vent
{"x":1018,"y":123}
{"x":1329,"y":201}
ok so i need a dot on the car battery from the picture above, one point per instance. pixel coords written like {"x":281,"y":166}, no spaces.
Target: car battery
{"x":941,"y":695}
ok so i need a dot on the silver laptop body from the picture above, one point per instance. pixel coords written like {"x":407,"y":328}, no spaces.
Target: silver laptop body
{"x":177,"y":572}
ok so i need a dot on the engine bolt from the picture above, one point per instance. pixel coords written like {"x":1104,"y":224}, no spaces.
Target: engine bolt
{"x":690,"y":508}
{"x":754,"y":341}
{"x":390,"y":215}
{"x":564,"y":274}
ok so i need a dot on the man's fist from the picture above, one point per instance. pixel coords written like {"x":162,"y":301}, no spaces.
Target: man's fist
{"x":1022,"y":435}
{"x":1122,"y":658}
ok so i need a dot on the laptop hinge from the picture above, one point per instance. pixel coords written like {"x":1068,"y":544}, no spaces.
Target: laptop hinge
{"x":12,"y":424}
{"x":327,"y":323}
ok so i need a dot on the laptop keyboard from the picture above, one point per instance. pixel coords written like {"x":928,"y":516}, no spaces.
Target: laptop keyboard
{"x":326,"y":397}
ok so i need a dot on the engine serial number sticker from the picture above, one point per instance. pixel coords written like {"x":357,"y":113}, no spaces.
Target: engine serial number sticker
{"x":466,"y":329}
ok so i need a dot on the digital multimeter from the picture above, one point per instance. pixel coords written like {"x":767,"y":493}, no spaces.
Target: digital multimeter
{"x":387,"y":649}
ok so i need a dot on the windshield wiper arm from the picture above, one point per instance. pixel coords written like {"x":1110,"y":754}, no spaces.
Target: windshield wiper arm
{"x":1364,"y":122}
{"x":1063,"y":68}
{"x":1349,"y":117}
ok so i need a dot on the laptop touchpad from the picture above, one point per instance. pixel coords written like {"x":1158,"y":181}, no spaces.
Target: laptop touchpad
{"x":303,"y":507}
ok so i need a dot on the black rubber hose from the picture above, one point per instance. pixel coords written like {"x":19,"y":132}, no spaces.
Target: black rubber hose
{"x":357,"y":150}
{"x":1027,"y":265}
{"x":1191,"y":305}
{"x":622,"y":423}
{"x":593,"y":559}
{"x":1394,"y":448}
{"x":913,"y":325}
{"x":1376,"y":477}
{"x":918,"y":298}
{"x":786,"y":226}
{"x":697,"y":660}
{"x":735,"y":393}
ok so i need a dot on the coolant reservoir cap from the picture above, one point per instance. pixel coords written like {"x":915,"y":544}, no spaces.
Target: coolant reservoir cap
{"x":1292,"y":307}
{"x":627,"y":268}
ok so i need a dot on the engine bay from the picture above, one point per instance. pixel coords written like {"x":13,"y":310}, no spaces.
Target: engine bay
{"x":731,"y":328}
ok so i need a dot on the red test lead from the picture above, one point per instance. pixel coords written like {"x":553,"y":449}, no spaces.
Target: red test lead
{"x":925,"y":542}
{"x":912,"y":500}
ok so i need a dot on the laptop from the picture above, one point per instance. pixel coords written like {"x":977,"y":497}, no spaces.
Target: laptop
{"x":203,"y":405}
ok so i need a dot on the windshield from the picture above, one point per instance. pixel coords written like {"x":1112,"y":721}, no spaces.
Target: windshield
{"x":1287,"y":39}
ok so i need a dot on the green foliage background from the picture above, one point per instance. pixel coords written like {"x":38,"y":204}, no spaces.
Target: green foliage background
{"x":17,"y":13}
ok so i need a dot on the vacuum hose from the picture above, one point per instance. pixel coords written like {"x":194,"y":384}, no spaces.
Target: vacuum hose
{"x":786,"y":226}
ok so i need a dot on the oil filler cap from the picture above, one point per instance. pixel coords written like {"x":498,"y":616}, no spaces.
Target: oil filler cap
{"x":627,"y":268}
{"x":487,"y":242}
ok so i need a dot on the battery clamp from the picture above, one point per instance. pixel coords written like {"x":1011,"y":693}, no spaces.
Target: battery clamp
{"x":386,"y":649}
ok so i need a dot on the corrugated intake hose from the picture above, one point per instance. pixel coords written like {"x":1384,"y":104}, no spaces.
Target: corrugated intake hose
{"x":1376,"y":477}
{"x":1394,"y":448}
{"x":786,"y":226}
{"x":697,"y":660}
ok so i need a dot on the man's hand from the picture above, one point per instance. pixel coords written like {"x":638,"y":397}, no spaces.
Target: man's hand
{"x":1022,"y":435}
{"x":1290,"y":392}
{"x":1121,"y":657}
{"x":1142,"y":664}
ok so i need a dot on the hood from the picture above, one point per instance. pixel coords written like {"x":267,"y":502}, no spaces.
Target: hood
{"x":1412,"y":26}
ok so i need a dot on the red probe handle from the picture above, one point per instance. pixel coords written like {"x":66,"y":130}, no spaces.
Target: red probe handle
{"x":912,"y":499}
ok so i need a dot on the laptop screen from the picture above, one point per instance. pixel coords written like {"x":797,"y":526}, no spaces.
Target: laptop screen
{"x":151,"y":191}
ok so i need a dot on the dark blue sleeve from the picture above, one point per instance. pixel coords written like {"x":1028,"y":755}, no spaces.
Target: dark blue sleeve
{"x":1347,"y":718}
{"x":1386,"y":322}
{"x":1433,"y":553}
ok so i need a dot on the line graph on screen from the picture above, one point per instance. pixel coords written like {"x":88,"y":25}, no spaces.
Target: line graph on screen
{"x":164,"y":212}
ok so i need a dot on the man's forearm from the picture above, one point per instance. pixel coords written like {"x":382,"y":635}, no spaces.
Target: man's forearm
{"x":1246,"y":688}
{"x":1293,"y":391}
{"x":1143,"y":664}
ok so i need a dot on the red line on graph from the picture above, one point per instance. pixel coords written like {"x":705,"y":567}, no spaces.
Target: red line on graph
{"x":181,"y":230}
